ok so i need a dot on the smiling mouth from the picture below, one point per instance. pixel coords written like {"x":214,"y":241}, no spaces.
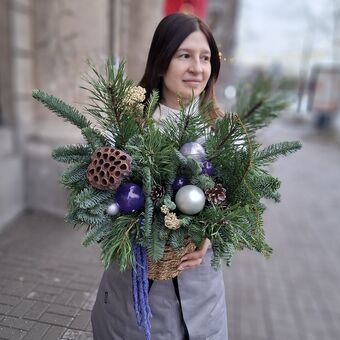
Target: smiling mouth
{"x":192,"y":82}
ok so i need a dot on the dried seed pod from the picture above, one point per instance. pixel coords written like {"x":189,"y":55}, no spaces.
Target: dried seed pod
{"x":108,"y":167}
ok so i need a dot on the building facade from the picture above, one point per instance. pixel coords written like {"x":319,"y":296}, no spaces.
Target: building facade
{"x":45,"y":44}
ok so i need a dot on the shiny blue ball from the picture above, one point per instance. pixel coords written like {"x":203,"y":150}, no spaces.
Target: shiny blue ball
{"x":130,"y":197}
{"x":207,"y":168}
{"x":178,"y":183}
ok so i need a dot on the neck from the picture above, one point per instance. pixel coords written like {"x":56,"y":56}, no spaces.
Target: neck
{"x":175,"y":105}
{"x":171,"y":105}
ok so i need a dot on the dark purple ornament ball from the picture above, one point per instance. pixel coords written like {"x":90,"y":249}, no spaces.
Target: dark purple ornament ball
{"x":130,"y":197}
{"x":179,"y":182}
{"x":207,"y":168}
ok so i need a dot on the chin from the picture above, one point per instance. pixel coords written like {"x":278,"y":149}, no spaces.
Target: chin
{"x":189,"y":94}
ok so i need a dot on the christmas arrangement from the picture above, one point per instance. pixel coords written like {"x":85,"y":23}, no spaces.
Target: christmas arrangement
{"x":147,"y":194}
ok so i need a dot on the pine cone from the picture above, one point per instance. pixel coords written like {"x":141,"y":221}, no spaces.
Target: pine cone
{"x":108,"y":167}
{"x":157,"y":192}
{"x":216,"y":195}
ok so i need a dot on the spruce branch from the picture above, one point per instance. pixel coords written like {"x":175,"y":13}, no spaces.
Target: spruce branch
{"x":61,"y":109}
{"x":149,"y":208}
{"x":118,"y":244}
{"x":76,"y":153}
{"x":274,"y":151}
{"x":177,"y":239}
{"x":96,"y":234}
{"x":90,"y":197}
{"x":93,"y":137}
{"x":73,"y":174}
{"x":156,"y":245}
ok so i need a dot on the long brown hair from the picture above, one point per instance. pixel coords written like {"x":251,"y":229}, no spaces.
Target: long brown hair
{"x":170,"y":33}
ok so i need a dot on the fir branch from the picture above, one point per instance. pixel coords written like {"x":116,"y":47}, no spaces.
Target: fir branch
{"x":76,"y":153}
{"x":149,"y":208}
{"x":168,"y":202}
{"x":156,"y":244}
{"x":151,"y":105}
{"x":186,"y":126}
{"x":203,"y":181}
{"x":227,"y":135}
{"x":274,"y":151}
{"x":184,"y":221}
{"x":72,"y":218}
{"x":196,"y":232}
{"x":177,"y":238}
{"x":264,"y":185}
{"x":61,"y":109}
{"x":117,"y":244}
{"x":73,"y":174}
{"x":96,"y":234}
{"x":90,"y":197}
{"x":249,"y":151}
{"x":257,"y":105}
{"x":93,"y":137}
{"x":91,"y":220}
{"x":107,"y":94}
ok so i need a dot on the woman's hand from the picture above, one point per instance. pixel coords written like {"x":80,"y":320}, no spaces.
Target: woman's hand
{"x":195,"y":258}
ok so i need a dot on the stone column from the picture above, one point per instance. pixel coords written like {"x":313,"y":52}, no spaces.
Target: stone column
{"x":144,"y":17}
{"x":22,"y":69}
{"x":6,"y":101}
{"x":67,"y":33}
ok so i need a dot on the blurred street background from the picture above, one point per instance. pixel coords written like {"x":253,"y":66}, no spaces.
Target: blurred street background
{"x":48,"y":280}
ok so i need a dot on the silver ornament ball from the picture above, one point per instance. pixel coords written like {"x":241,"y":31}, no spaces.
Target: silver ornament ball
{"x":194,"y":150}
{"x":190,"y":199}
{"x":201,"y":140}
{"x":113,"y":209}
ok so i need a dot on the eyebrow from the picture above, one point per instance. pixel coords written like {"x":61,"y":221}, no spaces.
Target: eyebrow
{"x":190,"y":50}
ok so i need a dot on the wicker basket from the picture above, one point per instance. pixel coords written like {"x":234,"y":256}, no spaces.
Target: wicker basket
{"x":166,"y":268}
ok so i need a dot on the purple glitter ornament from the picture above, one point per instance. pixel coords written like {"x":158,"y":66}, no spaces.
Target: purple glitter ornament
{"x":178,"y":183}
{"x":207,"y":168}
{"x":194,"y":150}
{"x":130,"y":197}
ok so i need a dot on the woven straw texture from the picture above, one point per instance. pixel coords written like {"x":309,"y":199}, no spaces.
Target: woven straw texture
{"x":166,"y":268}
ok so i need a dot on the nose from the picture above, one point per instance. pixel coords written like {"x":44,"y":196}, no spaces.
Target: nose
{"x":196,"y":65}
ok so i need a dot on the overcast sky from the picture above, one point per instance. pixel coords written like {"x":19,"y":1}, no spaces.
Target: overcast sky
{"x":274,"y":31}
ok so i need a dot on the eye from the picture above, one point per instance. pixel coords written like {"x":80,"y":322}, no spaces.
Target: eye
{"x":184,"y":56}
{"x":206,"y":58}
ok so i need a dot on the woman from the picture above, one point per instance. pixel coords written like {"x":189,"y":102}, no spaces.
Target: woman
{"x":183,"y":62}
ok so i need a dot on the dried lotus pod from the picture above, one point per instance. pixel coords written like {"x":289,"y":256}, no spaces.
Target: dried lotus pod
{"x":108,"y":167}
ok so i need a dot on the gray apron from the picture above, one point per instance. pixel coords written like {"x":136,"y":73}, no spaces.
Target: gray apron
{"x":201,"y":291}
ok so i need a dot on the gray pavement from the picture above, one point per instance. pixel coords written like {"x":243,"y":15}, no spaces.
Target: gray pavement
{"x":48,"y":280}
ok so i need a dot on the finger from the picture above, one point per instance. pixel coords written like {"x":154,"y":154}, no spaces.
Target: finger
{"x":193,"y":256}
{"x":205,"y":245}
{"x":198,"y":253}
{"x":190,"y":264}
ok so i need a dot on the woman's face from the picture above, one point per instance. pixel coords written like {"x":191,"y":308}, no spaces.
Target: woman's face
{"x":189,"y":70}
